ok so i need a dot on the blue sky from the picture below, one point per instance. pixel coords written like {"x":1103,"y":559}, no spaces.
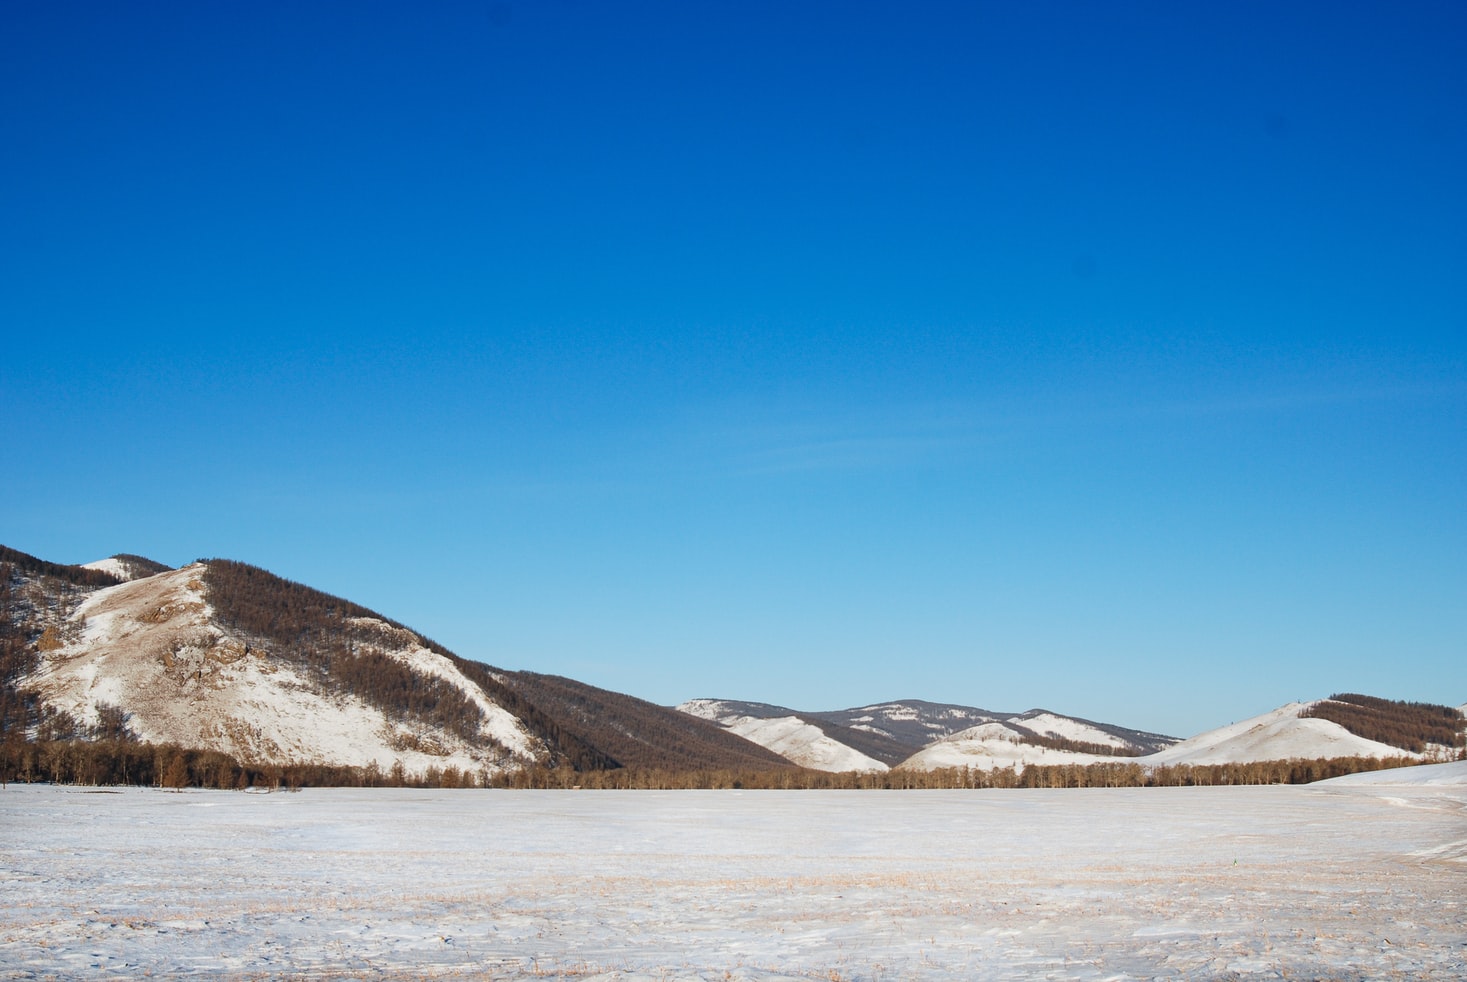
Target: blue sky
{"x":1105,"y":357}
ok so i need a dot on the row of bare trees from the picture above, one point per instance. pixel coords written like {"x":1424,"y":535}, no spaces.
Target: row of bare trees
{"x":128,"y":762}
{"x":124,"y":762}
{"x":1117,"y":774}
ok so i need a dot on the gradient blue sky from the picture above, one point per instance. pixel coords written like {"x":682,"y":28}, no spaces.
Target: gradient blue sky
{"x":1105,"y":357}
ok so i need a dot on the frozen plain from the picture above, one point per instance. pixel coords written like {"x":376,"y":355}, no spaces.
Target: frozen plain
{"x":1355,"y":879}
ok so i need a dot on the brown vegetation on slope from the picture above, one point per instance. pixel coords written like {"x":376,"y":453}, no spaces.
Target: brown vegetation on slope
{"x":1056,"y":742}
{"x":874,"y":745}
{"x":140,"y":566}
{"x":322,"y":634}
{"x":637,"y":733}
{"x":1407,"y":725}
{"x":317,"y":632}
{"x":36,"y":597}
{"x":29,"y":565}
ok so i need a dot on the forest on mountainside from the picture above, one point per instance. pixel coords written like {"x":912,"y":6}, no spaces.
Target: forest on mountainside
{"x":877,"y":746}
{"x":36,"y":597}
{"x":325,"y":635}
{"x":1406,"y":725}
{"x":26,"y":564}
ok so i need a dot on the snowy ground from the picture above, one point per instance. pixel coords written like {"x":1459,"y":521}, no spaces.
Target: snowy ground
{"x":1350,"y":880}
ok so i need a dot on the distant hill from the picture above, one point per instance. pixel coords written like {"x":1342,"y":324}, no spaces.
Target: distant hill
{"x":1306,"y":730}
{"x":38,"y":570}
{"x":900,"y":733}
{"x":1415,"y":727}
{"x":128,"y":567}
{"x":799,"y":738}
{"x":926,"y":736}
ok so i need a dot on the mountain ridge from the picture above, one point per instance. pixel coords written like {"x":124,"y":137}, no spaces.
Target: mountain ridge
{"x":891,"y":734}
{"x":228,"y":657}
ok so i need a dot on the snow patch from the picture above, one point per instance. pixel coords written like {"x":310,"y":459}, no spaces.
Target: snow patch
{"x":1049,"y":724}
{"x":801,"y":743}
{"x":112,"y":567}
{"x":1450,"y":774}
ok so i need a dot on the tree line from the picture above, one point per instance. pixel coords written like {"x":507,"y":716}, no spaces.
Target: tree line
{"x":129,"y":762}
{"x":113,"y":761}
{"x":1106,"y":774}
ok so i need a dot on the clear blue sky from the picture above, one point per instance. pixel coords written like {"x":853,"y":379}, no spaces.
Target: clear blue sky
{"x":1105,"y":357}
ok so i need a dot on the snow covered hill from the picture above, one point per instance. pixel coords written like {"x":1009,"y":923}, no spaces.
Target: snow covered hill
{"x":126,"y":567}
{"x":154,"y":649}
{"x":924,"y":735}
{"x":1286,"y":733}
{"x":1039,"y":737}
{"x":798,"y":741}
{"x":992,"y":745}
{"x":1283,"y":734}
{"x":1036,"y":737}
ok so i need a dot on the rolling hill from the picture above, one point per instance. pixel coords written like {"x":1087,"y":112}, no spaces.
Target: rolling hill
{"x":912,"y":733}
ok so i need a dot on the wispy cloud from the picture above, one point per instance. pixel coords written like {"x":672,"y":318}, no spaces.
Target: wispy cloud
{"x":769,"y":441}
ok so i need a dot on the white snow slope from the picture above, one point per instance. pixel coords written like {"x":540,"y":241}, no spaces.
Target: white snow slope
{"x":1277,"y":735}
{"x":1049,"y":724}
{"x":1450,"y":774}
{"x":151,"y":648}
{"x":993,"y":745}
{"x":789,"y":736}
{"x":114,"y":566}
{"x":1327,"y":881}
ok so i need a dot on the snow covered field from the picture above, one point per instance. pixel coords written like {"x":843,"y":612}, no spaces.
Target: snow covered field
{"x":1359,"y":879}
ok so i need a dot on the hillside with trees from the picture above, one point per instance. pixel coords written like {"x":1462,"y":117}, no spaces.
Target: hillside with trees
{"x":215,"y":622}
{"x":1408,"y":725}
{"x":36,"y":598}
